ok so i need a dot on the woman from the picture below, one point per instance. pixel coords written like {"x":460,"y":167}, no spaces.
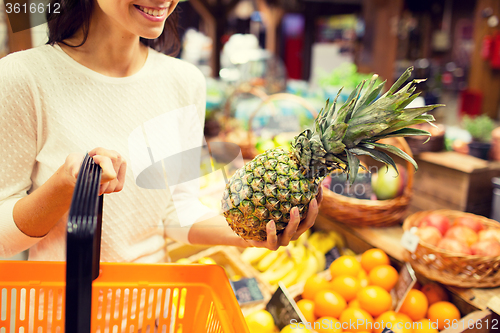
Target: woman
{"x":96,"y":82}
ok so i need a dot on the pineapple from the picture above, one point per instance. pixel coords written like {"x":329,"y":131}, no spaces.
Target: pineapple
{"x":267,"y":187}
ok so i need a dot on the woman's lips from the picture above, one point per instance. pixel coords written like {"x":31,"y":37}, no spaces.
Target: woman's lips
{"x":155,"y":14}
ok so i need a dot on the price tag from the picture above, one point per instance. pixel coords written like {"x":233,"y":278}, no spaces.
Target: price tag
{"x":331,"y":255}
{"x":247,"y":290}
{"x":283,"y":308}
{"x":410,"y":241}
{"x":405,"y":283}
{"x":494,"y":304}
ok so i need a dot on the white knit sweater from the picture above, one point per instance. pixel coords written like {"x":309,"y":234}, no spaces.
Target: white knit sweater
{"x":51,"y":106}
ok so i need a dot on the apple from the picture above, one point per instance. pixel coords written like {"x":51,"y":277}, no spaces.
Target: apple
{"x":470,"y":222}
{"x":453,"y":246}
{"x":486,"y":248}
{"x":387,"y":183}
{"x":441,"y":222}
{"x":462,"y":234}
{"x":430,"y":235}
{"x":493,"y":234}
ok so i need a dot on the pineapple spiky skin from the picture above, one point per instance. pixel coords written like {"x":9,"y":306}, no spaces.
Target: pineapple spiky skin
{"x":272,"y":183}
{"x":265,"y":189}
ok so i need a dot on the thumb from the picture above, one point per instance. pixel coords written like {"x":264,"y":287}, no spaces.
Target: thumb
{"x":108,"y":171}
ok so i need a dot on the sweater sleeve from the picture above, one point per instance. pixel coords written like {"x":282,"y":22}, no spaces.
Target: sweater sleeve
{"x":185,"y":195}
{"x":18,"y":149}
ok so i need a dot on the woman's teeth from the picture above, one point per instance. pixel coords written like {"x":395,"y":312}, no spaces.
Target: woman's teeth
{"x":153,"y":12}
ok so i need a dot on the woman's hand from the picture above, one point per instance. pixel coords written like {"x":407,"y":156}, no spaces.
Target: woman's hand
{"x":112,"y":164}
{"x":295,"y":227}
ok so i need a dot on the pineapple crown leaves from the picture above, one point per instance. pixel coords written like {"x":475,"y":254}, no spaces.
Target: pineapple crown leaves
{"x":342,"y":134}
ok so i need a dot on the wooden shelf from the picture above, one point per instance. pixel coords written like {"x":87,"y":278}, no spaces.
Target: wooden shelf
{"x":388,"y":239}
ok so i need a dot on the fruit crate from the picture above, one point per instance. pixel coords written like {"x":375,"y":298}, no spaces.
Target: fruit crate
{"x":472,"y":320}
{"x":450,"y":180}
{"x":229,"y":259}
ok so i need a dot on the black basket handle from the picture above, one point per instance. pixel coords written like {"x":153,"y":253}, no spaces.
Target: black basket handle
{"x":83,"y":246}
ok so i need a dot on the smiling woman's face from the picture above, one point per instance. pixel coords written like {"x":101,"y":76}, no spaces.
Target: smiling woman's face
{"x":144,"y":18}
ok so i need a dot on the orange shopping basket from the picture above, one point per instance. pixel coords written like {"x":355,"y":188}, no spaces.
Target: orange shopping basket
{"x":83,"y":295}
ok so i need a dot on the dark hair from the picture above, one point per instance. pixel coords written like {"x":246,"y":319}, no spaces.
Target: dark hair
{"x":75,"y":14}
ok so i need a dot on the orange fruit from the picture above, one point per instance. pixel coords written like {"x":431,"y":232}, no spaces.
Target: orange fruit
{"x":356,"y":320}
{"x":434,"y":293}
{"x":444,"y":313}
{"x":345,"y":265}
{"x":347,"y":286}
{"x":375,"y":300}
{"x":384,"y":276}
{"x":306,"y":306}
{"x":363,"y":278}
{"x":373,"y":258}
{"x":415,"y":305}
{"x":354,"y":304}
{"x":327,"y":325}
{"x":329,"y":303}
{"x":391,"y":319}
{"x":313,"y":285}
{"x":425,"y":326}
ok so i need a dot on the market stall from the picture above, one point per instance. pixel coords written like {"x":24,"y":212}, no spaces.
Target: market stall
{"x":407,"y":238}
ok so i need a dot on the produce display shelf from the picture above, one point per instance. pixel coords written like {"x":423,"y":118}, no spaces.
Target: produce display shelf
{"x":389,"y":240}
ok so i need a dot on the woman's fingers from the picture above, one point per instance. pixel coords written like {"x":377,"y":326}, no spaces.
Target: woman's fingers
{"x":112,"y":164}
{"x":108,"y":170}
{"x":113,"y":167}
{"x":291,"y":228}
{"x":319,"y":196}
{"x":308,"y":222}
{"x":272,"y":239}
{"x":115,"y":158}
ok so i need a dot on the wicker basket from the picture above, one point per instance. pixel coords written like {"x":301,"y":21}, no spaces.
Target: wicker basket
{"x":465,"y":271}
{"x":370,"y":213}
{"x":248,"y":149}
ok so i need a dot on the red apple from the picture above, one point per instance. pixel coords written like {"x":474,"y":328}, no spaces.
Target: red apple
{"x":486,"y":248}
{"x":453,"y":246}
{"x":490,"y":234}
{"x":462,"y":234}
{"x":441,"y":222}
{"x":469,"y":222}
{"x":429,"y":235}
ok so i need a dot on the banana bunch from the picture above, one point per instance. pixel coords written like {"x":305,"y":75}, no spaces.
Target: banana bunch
{"x":297,"y":261}
{"x":324,"y":241}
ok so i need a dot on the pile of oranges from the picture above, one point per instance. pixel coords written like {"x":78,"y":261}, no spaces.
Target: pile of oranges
{"x":358,"y":299}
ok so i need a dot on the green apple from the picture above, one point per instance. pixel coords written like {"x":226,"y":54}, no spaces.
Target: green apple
{"x":386,"y":183}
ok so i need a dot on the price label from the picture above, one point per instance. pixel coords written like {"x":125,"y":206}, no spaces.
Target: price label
{"x":247,"y":290}
{"x":405,"y":283}
{"x":410,"y":241}
{"x":283,"y":308}
{"x":494,"y":304}
{"x":331,"y":255}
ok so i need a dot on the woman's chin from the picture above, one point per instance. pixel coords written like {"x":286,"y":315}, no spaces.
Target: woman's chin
{"x":151,"y":35}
